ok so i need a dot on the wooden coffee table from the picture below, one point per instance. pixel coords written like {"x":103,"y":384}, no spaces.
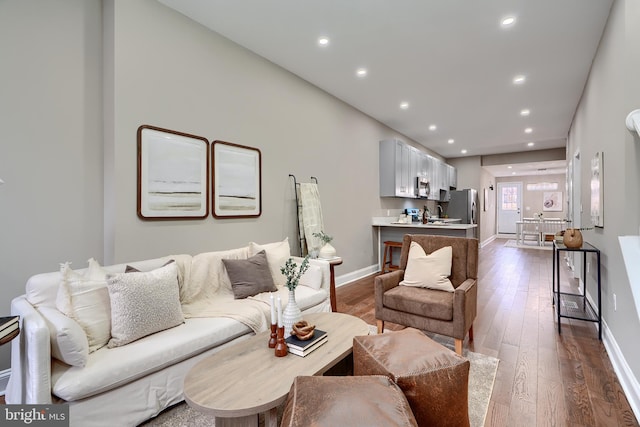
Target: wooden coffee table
{"x":241,"y":381}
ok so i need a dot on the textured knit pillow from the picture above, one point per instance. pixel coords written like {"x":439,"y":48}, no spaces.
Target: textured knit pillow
{"x":429,"y":271}
{"x":277,"y":255}
{"x":84,"y":298}
{"x":143,"y":303}
{"x":250,"y":276}
{"x":68,"y":341}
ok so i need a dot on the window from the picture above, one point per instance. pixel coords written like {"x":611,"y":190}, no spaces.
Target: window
{"x":509,"y":199}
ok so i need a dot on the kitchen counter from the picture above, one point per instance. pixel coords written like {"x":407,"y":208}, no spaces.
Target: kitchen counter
{"x":389,"y":229}
{"x":448,"y":223}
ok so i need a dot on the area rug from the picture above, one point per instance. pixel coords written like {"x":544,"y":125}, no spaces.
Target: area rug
{"x":514,"y":244}
{"x":481,"y":378}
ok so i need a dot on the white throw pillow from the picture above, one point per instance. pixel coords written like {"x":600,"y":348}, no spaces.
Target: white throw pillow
{"x":84,"y":298}
{"x":277,"y":255}
{"x":429,"y":271}
{"x":68,"y":341}
{"x":143,"y":303}
{"x":312,"y":278}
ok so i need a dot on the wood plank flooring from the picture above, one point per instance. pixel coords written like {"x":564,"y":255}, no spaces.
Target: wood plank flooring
{"x":543,"y":379}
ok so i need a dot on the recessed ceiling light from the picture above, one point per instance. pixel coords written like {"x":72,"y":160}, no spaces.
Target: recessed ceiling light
{"x":530,"y":144}
{"x":528,"y":130}
{"x":323,"y":41}
{"x":404,"y":105}
{"x":463,"y":151}
{"x":433,"y":127}
{"x":361,"y":72}
{"x":518,"y":80}
{"x":513,"y":173}
{"x":451,"y":141}
{"x":509,"y":167}
{"x":508,"y":21}
{"x":525,"y":112}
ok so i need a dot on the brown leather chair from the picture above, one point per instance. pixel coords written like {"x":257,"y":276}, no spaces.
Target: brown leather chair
{"x":441,"y":312}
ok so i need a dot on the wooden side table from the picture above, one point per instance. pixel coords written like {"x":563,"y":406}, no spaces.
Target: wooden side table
{"x":332,"y":290}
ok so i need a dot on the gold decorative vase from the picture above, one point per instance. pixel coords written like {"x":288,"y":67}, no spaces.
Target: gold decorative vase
{"x":572,"y":238}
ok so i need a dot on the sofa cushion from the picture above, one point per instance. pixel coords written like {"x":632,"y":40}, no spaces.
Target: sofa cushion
{"x":312,"y":278}
{"x":249,"y":276}
{"x":68,"y":341}
{"x":419,"y":301}
{"x":429,"y":271}
{"x":277,"y":255}
{"x":143,"y":303}
{"x":110,"y":368}
{"x":84,"y":298}
{"x":306,"y":297}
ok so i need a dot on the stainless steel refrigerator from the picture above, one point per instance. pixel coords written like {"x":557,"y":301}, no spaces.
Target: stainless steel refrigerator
{"x":464,"y":205}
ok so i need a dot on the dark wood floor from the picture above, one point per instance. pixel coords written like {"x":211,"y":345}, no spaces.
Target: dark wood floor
{"x":543,"y":379}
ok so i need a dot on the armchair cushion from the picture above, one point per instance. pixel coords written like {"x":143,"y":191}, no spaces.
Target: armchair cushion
{"x":429,"y":271}
{"x":421,"y":302}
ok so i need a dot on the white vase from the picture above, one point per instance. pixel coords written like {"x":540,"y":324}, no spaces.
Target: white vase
{"x":327,"y":251}
{"x":291,"y":314}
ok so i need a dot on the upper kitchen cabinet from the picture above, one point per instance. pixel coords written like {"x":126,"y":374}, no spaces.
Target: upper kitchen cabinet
{"x":453,"y":177}
{"x":398,"y":169}
{"x":402,"y":164}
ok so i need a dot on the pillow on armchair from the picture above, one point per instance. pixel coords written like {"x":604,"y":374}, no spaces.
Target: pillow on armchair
{"x":429,"y":271}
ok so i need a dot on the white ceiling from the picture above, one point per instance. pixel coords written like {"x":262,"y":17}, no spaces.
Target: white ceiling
{"x":449,"y":59}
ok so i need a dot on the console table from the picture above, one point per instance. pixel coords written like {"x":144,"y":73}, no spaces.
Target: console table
{"x":576,"y":306}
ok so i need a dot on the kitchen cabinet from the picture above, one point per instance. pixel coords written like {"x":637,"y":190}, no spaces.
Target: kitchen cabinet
{"x":397,"y":169}
{"x":453,"y":177}
{"x":400,"y":166}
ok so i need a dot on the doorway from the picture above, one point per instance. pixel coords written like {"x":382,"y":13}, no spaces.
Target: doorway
{"x":509,"y":206}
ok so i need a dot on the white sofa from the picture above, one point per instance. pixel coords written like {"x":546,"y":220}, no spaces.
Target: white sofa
{"x":129,"y":384}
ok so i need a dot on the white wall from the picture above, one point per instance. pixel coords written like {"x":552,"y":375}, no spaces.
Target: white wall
{"x":68,"y":152}
{"x":51,"y":143}
{"x":173,"y":73}
{"x":611,"y":92}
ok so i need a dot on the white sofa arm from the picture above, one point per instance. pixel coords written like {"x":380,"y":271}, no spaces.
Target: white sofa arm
{"x":324,"y":266}
{"x":30,"y":381}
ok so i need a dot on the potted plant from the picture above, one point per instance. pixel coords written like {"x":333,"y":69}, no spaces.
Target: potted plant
{"x":292,"y":314}
{"x":326,"y":251}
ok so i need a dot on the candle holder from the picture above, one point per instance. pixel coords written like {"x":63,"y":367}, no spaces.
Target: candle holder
{"x":274,"y":335}
{"x":281,"y":347}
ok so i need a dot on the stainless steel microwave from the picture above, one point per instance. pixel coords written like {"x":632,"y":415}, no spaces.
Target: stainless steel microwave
{"x":422,"y":188}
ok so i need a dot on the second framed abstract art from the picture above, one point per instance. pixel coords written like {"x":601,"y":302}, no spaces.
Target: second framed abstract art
{"x":236,"y":180}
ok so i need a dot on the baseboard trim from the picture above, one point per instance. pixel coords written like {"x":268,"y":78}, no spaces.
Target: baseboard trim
{"x":4,"y":380}
{"x":628,"y":381}
{"x":356,"y":275}
{"x":489,"y":240}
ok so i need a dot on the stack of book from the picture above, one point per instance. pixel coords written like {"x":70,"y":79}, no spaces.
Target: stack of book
{"x":302,"y":348}
{"x":9,"y":328}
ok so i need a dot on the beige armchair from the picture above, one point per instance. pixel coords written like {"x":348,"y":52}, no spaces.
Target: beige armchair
{"x":446,"y":313}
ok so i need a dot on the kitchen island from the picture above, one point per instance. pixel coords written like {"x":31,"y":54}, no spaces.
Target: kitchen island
{"x":389,"y":229}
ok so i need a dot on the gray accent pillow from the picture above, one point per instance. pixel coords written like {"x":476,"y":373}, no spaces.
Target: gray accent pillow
{"x":250,"y":276}
{"x":143,"y":303}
